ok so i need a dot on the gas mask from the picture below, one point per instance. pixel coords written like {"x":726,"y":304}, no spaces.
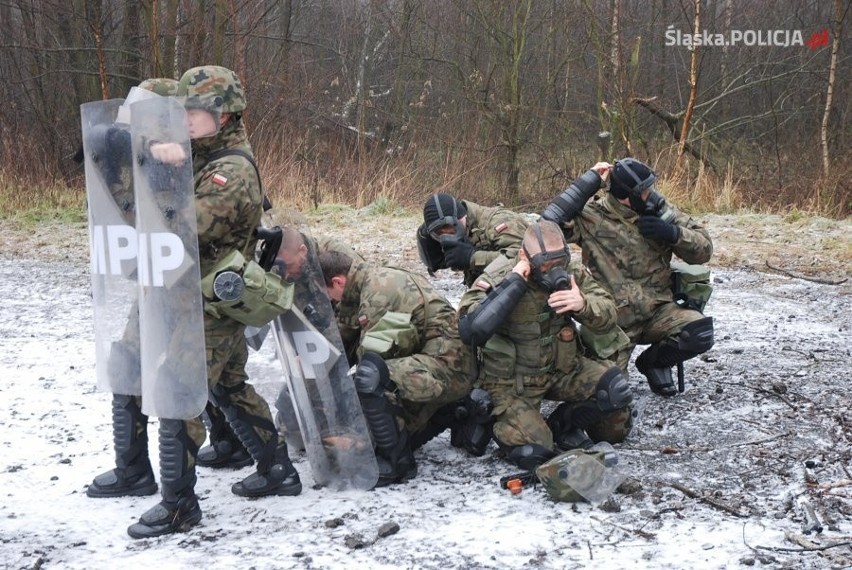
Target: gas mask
{"x":444,"y":220}
{"x":555,"y":276}
{"x":630,"y":178}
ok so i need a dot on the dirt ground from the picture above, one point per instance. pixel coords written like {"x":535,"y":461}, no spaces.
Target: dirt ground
{"x":762,"y":436}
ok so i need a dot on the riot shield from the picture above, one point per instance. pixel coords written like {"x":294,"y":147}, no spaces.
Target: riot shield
{"x":171,"y":318}
{"x":333,"y":429}
{"x":112,"y":247}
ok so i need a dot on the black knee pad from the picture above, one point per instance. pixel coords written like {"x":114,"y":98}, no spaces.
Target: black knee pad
{"x":613,"y":391}
{"x":371,"y":375}
{"x":697,"y":336}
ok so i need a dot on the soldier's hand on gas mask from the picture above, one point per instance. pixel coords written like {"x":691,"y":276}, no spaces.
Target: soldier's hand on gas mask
{"x":569,"y":300}
{"x":457,"y":254}
{"x":652,"y":227}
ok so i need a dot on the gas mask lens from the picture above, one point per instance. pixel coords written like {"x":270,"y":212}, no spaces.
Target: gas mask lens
{"x":550,"y":269}
{"x":444,"y":229}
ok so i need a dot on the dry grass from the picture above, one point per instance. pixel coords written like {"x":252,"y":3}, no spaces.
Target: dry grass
{"x":306,"y":175}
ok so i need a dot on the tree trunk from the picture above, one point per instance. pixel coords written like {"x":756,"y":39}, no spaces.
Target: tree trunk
{"x":693,"y":87}
{"x":832,"y":72}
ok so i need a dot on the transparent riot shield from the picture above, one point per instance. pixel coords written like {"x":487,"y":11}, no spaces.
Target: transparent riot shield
{"x":171,"y":318}
{"x":112,"y":246}
{"x":333,"y":429}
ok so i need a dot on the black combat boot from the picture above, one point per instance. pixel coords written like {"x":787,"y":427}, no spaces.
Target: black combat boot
{"x":393,"y":447}
{"x":275,"y":477}
{"x":473,"y":427}
{"x":657,"y":360}
{"x":275,"y":473}
{"x":528,"y":456}
{"x":225,"y":451}
{"x":179,"y":509}
{"x":132,"y":475}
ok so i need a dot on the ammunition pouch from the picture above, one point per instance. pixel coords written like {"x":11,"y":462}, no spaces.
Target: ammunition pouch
{"x":239,"y":288}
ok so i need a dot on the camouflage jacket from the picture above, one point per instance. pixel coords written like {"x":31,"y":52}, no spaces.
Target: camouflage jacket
{"x":634,"y":269}
{"x":228,"y":198}
{"x":393,"y":304}
{"x":524,"y":344}
{"x":492,"y":232}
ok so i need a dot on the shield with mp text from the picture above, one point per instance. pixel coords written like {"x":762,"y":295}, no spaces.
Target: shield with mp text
{"x":171,"y":321}
{"x":113,"y":245}
{"x":316,"y":371}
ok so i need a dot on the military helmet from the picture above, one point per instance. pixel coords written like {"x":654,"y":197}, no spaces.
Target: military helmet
{"x":161,"y":86}
{"x":629,"y":176}
{"x":212,"y":88}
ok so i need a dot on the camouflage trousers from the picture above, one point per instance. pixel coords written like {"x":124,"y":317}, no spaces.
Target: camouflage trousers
{"x":440,"y":374}
{"x":517,"y":404}
{"x":667,"y":321}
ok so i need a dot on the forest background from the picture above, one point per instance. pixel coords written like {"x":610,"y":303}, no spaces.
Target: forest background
{"x":386,"y":101}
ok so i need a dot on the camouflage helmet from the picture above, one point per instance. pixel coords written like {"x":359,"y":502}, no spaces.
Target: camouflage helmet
{"x":581,"y":474}
{"x":212,"y":87}
{"x":161,"y":86}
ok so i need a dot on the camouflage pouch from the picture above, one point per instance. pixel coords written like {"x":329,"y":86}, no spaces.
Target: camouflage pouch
{"x":581,"y":474}
{"x":498,"y":357}
{"x":603,"y":345}
{"x":566,"y":350}
{"x":393,"y":335}
{"x":691,"y":285}
{"x":240,"y":289}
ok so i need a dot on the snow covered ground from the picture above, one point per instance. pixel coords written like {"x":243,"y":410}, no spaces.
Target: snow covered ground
{"x":721,"y":476}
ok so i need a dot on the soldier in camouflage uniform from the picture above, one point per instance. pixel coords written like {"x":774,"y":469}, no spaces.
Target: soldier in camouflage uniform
{"x":628,"y":237}
{"x":132,"y":475}
{"x":410,"y":359}
{"x":228,"y":203}
{"x":298,"y":262}
{"x":461,"y":235}
{"x":521,"y":315}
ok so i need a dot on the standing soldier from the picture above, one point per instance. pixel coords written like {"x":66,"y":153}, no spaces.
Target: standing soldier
{"x":228,"y":205}
{"x":520,"y":315}
{"x":628,"y":238}
{"x":461,"y":235}
{"x":411,"y":361}
{"x":132,"y":475}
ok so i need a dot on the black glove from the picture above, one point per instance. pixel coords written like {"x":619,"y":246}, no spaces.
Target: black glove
{"x":457,"y":255}
{"x":655,"y":228}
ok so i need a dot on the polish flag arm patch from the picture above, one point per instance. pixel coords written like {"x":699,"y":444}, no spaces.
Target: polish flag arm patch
{"x":484,"y":285}
{"x":220,"y":179}
{"x":501,"y":228}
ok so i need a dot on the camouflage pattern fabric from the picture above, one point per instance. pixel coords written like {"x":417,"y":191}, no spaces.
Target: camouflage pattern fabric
{"x":577,"y":475}
{"x":536,"y":355}
{"x":212,"y":86}
{"x":162,"y":86}
{"x":430,"y":367}
{"x":228,"y":202}
{"x":492,"y":232}
{"x":637,"y":270}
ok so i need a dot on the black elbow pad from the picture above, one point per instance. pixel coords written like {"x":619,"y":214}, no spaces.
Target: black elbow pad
{"x":570,"y":202}
{"x":477,"y":326}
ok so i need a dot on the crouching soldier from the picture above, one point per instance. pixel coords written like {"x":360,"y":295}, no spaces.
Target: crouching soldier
{"x":521,"y":315}
{"x":410,"y":360}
